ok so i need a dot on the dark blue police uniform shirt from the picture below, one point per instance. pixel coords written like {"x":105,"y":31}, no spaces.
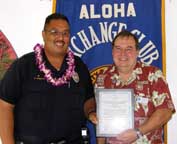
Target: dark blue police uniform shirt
{"x":42,"y":109}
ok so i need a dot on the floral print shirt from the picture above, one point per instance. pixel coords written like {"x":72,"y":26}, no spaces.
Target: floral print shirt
{"x":151,"y":92}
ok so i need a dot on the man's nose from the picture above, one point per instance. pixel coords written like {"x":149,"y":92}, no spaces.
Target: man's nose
{"x":60,"y":35}
{"x":123,"y":52}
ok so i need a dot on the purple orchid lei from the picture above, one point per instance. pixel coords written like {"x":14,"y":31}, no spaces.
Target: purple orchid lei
{"x":47,"y":72}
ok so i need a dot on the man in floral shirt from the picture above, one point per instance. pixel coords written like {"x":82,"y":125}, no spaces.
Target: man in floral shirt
{"x":153,"y":103}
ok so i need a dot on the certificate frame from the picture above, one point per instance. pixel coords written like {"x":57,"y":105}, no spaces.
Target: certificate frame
{"x":115,"y":111}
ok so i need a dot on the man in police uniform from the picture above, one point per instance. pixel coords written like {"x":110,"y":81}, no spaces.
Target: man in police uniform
{"x":46,"y":95}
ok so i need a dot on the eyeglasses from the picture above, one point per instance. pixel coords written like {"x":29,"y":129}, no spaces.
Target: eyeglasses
{"x":127,"y":50}
{"x":55,"y":33}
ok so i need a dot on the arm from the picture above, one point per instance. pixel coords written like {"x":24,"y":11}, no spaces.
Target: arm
{"x":90,"y":110}
{"x":158,"y":119}
{"x":6,"y":122}
{"x":90,"y":102}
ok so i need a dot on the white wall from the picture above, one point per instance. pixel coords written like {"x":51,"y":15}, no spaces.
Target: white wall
{"x":22,"y":22}
{"x":171,"y":51}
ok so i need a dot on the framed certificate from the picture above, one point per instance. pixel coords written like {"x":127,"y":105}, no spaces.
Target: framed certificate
{"x":115,"y":111}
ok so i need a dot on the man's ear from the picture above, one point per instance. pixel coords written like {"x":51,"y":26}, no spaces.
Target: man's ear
{"x":43,"y":35}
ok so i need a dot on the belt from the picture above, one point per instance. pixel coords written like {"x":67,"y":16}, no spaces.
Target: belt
{"x":59,"y":142}
{"x":37,"y":140}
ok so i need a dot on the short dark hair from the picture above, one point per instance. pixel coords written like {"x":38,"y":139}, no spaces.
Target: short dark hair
{"x":126,"y":33}
{"x":55,"y":16}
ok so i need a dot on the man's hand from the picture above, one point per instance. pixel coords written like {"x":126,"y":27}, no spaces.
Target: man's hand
{"x":127,"y":136}
{"x":93,"y":118}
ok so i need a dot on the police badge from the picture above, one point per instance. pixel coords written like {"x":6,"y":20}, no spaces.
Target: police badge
{"x":75,"y":77}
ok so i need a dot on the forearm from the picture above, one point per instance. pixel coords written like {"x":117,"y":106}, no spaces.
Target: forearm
{"x":158,"y":119}
{"x":6,"y":123}
{"x":89,"y":106}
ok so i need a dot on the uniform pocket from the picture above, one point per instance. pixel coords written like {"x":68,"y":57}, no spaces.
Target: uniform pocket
{"x":35,"y":95}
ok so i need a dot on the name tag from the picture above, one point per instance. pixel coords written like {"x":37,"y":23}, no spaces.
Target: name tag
{"x":142,"y":100}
